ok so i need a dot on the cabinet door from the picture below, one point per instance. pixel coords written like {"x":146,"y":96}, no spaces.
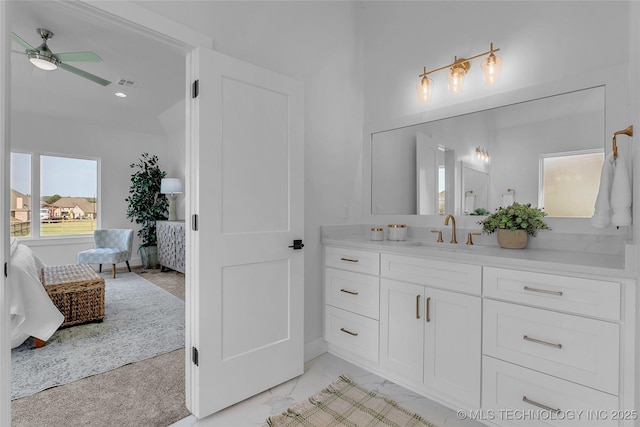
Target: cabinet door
{"x":401,"y":329}
{"x":452,"y":352}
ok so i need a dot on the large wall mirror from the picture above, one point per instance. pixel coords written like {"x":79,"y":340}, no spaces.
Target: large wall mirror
{"x":543,"y":151}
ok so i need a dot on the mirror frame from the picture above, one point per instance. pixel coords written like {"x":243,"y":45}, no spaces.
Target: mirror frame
{"x":616,"y":117}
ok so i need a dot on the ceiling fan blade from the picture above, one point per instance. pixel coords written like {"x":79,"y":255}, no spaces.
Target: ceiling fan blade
{"x":78,"y":57}
{"x":21,"y":42}
{"x":84,"y":74}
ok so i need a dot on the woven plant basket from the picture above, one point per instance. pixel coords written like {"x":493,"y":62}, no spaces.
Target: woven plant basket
{"x":510,"y":239}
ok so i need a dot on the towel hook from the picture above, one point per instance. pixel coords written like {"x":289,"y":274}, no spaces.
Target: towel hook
{"x":628,"y":131}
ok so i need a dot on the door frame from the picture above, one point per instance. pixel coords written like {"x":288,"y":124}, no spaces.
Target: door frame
{"x":147,"y":23}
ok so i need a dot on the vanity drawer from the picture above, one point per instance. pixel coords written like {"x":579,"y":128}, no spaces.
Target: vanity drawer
{"x":438,"y":274}
{"x":590,"y":297}
{"x":352,"y":332}
{"x":509,"y":391}
{"x":353,"y":260}
{"x":575,"y":348}
{"x":353,"y":292}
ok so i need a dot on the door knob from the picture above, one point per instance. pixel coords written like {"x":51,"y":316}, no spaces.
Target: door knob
{"x":297,"y":244}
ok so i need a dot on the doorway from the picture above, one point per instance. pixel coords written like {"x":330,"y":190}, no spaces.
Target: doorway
{"x":79,"y":27}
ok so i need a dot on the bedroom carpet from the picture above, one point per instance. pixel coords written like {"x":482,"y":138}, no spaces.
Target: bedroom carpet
{"x":144,"y":393}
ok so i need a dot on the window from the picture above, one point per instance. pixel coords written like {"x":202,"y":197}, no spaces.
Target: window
{"x":67,"y":189}
{"x":570,"y":182}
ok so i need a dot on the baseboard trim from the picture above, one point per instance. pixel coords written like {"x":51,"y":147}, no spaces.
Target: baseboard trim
{"x":314,"y":349}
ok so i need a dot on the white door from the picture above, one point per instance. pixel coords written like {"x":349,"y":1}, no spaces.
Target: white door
{"x":452,"y":352}
{"x":401,"y":329}
{"x":246,"y":186}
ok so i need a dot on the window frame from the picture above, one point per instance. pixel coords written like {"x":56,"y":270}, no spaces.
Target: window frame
{"x":36,"y":195}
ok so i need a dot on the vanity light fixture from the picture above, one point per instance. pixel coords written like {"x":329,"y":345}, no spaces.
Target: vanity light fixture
{"x":482,"y":154}
{"x":458,"y":69}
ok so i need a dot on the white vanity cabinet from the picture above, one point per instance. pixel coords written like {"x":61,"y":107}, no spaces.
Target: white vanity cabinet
{"x":543,"y":342}
{"x":430,"y":337}
{"x":352,"y":301}
{"x":552,"y":343}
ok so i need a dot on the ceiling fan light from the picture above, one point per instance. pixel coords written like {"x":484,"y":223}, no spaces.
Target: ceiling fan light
{"x":48,"y":63}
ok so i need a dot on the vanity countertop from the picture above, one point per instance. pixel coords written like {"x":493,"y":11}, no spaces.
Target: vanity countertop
{"x":558,"y":261}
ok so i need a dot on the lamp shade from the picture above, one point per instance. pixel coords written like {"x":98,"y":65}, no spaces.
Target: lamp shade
{"x":171,"y":186}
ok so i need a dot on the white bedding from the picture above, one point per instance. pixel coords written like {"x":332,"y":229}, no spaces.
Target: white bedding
{"x":32,"y":311}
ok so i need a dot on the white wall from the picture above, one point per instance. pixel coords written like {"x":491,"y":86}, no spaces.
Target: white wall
{"x":116,"y":148}
{"x":539,"y":41}
{"x":318,"y":44}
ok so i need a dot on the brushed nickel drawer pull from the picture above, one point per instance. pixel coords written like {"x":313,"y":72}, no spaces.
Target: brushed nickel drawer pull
{"x":540,"y":405}
{"x":550,"y":344}
{"x":348,"y":259}
{"x":428,"y":311}
{"x":348,"y":292}
{"x":417,"y":306}
{"x":543,"y":291}
{"x":346,"y":331}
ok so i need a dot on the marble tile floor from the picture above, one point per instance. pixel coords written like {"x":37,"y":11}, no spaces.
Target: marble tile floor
{"x":320,"y":372}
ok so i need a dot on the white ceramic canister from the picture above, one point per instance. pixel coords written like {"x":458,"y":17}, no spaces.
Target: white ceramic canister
{"x":397,"y":232}
{"x":377,"y":233}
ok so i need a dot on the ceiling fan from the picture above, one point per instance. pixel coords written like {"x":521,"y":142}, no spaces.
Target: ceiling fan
{"x":42,"y":57}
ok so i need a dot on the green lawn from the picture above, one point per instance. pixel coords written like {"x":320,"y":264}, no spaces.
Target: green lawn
{"x":59,"y":228}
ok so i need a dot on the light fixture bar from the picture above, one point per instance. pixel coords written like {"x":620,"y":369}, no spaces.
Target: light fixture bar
{"x":458,"y":69}
{"x":460,"y":61}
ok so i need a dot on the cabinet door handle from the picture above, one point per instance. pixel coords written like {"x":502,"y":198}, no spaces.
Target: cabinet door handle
{"x":540,"y":405}
{"x":543,"y":291}
{"x":348,"y":259}
{"x":348,"y":292}
{"x":428,"y":311}
{"x":417,"y":306}
{"x":346,"y":331}
{"x":549,"y":344}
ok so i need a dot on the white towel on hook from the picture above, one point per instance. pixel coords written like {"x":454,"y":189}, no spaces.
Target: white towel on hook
{"x":507,"y":199}
{"x":602,"y":211}
{"x":621,"y":195}
{"x":469,"y":203}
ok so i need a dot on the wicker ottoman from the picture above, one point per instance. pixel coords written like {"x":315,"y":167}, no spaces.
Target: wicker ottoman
{"x":77,"y":290}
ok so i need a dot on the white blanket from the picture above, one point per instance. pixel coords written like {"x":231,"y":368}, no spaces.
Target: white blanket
{"x":32,"y":311}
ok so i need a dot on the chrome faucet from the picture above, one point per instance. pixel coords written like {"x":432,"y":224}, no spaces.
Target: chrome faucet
{"x":453,"y":227}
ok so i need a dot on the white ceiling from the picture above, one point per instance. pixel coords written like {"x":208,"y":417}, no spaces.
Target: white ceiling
{"x":127,"y":54}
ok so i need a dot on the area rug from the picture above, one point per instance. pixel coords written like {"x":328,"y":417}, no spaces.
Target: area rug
{"x":141,"y":321}
{"x":345,"y":403}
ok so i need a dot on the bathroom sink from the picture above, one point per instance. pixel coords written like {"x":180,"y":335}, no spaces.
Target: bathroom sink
{"x":442,"y":245}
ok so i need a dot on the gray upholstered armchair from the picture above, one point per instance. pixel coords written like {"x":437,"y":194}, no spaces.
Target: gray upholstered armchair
{"x":111,"y":247}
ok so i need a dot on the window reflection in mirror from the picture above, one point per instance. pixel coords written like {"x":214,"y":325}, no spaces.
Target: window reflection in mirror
{"x":569,"y":182}
{"x":514,"y":136}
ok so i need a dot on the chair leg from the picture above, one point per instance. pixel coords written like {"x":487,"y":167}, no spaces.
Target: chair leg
{"x":128,"y":266}
{"x":100,"y":271}
{"x":114,"y":271}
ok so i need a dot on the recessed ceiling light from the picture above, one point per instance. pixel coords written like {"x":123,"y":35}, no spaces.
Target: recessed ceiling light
{"x":121,"y":95}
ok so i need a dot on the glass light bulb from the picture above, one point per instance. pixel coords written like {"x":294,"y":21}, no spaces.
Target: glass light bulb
{"x":491,"y":68}
{"x":424,"y":90}
{"x":456,"y":80}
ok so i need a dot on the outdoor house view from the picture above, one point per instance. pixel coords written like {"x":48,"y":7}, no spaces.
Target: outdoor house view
{"x":66,"y":190}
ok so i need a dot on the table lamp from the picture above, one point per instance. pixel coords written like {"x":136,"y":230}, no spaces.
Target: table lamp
{"x":171,"y":187}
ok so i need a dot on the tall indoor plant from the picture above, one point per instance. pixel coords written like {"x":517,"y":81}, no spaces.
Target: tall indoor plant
{"x":146,"y":205}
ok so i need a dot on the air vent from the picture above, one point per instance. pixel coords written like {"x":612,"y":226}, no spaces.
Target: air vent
{"x":129,"y":83}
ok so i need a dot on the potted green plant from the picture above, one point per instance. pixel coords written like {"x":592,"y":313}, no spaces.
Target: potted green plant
{"x":146,"y":205}
{"x":514,"y":224}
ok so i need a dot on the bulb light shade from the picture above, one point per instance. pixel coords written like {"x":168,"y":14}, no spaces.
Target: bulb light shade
{"x":491,"y":68}
{"x":456,"y":79}
{"x":424,"y":90}
{"x":171,"y":186}
{"x":44,"y":62}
